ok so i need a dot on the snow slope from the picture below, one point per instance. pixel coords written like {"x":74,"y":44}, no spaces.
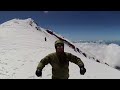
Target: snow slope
{"x":22,"y":46}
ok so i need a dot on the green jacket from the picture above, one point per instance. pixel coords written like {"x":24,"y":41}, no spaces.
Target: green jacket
{"x":60,"y":64}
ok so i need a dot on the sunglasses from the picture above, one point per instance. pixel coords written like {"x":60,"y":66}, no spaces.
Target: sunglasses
{"x":59,"y":45}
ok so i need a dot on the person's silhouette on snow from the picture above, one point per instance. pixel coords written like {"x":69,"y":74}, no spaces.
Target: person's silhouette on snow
{"x":45,"y":39}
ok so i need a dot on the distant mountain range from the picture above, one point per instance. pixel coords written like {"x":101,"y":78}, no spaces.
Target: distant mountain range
{"x":107,"y":42}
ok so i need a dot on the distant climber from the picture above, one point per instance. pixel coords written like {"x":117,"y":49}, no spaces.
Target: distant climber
{"x":45,"y":39}
{"x":59,"y":61}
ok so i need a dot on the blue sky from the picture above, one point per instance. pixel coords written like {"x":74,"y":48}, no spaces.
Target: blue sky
{"x":74,"y":25}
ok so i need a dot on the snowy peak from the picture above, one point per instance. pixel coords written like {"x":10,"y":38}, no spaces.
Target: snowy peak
{"x":20,"y":22}
{"x":31,"y":22}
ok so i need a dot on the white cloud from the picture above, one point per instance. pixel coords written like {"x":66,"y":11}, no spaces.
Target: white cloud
{"x":45,"y":11}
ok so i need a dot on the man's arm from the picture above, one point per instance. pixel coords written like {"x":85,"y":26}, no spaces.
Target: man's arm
{"x":76,"y":60}
{"x":42,"y":64}
{"x":79,"y":62}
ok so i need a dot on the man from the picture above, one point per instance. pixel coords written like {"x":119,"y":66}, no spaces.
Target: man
{"x":60,"y":62}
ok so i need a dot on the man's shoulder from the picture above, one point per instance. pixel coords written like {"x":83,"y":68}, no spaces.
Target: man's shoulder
{"x":67,"y":53}
{"x":52,"y":54}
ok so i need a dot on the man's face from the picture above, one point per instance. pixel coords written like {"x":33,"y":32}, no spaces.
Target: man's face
{"x":60,"y":48}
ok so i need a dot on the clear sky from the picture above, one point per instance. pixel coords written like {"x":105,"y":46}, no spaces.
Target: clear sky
{"x":74,"y":25}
